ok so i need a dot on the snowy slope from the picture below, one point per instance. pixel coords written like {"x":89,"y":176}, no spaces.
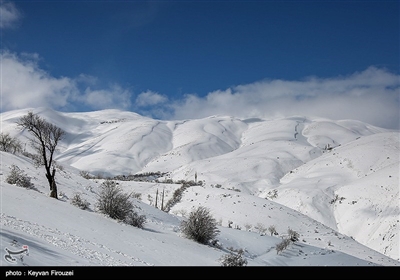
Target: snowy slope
{"x":242,"y":164}
{"x":347,"y":183}
{"x":60,"y":234}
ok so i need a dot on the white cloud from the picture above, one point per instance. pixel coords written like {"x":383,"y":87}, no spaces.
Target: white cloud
{"x":150,"y":98}
{"x":24,"y":84}
{"x":114,"y":97}
{"x":9,"y":15}
{"x":371,"y":96}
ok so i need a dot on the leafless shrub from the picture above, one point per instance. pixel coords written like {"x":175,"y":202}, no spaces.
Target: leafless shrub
{"x":9,"y":144}
{"x":247,"y":226}
{"x":134,"y":219}
{"x":85,"y":174}
{"x":200,"y":226}
{"x":293,"y":235}
{"x":282,"y":245}
{"x":113,"y":202}
{"x":19,"y":178}
{"x":233,"y":259}
{"x":272,"y":230}
{"x":260,"y":228}
{"x":79,"y":202}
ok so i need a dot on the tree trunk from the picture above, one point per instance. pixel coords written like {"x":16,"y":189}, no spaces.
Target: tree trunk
{"x":50,"y":177}
{"x":156,"y":197}
{"x":162,"y":201}
{"x":53,"y":185}
{"x":53,"y":192}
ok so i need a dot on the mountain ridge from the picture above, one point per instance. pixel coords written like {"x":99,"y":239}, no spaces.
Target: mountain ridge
{"x":306,"y":164}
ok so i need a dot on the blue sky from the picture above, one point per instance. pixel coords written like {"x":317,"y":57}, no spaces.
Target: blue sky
{"x":189,"y":59}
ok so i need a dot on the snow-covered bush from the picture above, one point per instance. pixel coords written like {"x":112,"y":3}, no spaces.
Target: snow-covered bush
{"x":293,"y":235}
{"x":260,"y":228}
{"x":134,"y":219}
{"x":113,"y":202}
{"x":19,"y":178}
{"x":233,"y":259}
{"x":79,"y":202}
{"x":137,"y":195}
{"x":272,"y":230}
{"x":282,"y":245}
{"x":247,"y":226}
{"x":200,"y":226}
{"x":9,"y":144}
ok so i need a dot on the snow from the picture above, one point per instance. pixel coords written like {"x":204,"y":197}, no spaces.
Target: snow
{"x":343,"y":201}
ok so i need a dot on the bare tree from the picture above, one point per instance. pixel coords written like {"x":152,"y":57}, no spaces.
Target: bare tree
{"x":9,"y":144}
{"x":46,"y":136}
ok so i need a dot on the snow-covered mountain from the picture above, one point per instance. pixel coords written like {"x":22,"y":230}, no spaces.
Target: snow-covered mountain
{"x":336,"y":182}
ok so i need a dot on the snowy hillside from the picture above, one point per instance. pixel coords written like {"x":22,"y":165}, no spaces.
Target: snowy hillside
{"x":335,"y":182}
